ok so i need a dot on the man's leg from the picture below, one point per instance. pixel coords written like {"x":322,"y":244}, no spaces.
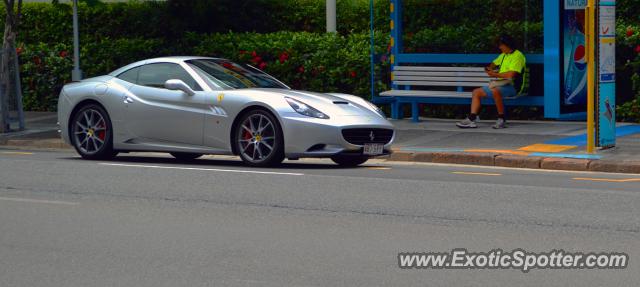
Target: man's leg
{"x":476,"y":103}
{"x":497,"y":97}
{"x":476,"y":100}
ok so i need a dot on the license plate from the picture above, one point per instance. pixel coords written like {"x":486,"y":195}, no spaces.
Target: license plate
{"x":373,"y":149}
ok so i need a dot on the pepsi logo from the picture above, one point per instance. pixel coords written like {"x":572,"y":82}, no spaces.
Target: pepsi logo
{"x":579,"y":58}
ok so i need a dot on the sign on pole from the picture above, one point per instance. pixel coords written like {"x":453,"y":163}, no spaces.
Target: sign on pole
{"x":606,"y":82}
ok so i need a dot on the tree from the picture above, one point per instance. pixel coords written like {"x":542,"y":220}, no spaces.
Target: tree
{"x":8,"y":83}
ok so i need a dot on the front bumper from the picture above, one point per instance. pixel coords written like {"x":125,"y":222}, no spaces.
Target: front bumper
{"x":64,"y":112}
{"x":310,"y":137}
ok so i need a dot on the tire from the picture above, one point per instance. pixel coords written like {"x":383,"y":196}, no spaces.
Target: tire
{"x":186,"y":156}
{"x":349,"y":161}
{"x":258,"y":139}
{"x":91,"y":133}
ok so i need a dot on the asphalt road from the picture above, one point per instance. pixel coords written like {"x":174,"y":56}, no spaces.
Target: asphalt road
{"x":147,"y":220}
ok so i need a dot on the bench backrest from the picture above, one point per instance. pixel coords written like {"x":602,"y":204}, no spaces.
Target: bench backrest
{"x":439,"y":76}
{"x":461,"y":77}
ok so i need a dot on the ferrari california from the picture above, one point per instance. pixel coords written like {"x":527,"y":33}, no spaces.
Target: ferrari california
{"x":191,"y":106}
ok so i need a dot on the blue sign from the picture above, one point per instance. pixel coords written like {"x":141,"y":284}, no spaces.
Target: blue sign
{"x":606,"y":124}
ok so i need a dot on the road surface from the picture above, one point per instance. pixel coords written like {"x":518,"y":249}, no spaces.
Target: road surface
{"x":148,"y":220}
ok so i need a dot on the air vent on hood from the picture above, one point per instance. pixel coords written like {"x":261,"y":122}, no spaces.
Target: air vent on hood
{"x":340,"y":102}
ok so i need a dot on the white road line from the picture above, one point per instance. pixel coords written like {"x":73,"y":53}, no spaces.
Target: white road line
{"x":15,"y":199}
{"x":403,"y":163}
{"x":201,"y":169}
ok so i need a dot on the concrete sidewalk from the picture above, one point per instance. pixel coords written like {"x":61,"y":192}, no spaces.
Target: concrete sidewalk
{"x":41,"y":132}
{"x":524,"y":144}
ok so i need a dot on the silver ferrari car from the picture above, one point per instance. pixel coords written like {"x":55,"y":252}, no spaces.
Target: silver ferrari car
{"x":190,"y":106}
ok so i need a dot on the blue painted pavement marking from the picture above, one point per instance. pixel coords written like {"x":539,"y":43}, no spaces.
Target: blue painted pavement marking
{"x":581,"y":140}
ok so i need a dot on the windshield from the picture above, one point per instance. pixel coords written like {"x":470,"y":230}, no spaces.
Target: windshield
{"x":221,"y":73}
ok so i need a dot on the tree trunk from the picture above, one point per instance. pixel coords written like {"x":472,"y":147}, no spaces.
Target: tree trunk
{"x":7,"y":81}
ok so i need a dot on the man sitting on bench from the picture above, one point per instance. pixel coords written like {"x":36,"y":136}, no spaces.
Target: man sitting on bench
{"x":506,"y":71}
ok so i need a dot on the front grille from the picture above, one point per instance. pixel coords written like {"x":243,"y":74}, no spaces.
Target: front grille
{"x":362,"y":136}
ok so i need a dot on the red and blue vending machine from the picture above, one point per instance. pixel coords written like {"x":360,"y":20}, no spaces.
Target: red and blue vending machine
{"x":573,"y":55}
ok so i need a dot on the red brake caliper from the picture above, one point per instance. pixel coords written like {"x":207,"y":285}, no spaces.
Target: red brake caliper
{"x":246,"y":136}
{"x":103,"y":133}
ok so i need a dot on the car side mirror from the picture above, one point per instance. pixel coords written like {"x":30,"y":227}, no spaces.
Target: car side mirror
{"x":179,"y":85}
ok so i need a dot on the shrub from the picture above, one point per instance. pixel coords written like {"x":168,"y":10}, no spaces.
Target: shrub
{"x":628,"y":83}
{"x":43,"y":22}
{"x":46,"y":68}
{"x":318,"y":62}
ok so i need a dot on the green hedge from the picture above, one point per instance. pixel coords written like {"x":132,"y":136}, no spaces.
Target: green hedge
{"x":43,"y":22}
{"x":628,"y":58}
{"x":309,"y":61}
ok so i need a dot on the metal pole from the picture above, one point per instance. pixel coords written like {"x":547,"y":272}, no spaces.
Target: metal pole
{"x":19,"y":107}
{"x":526,"y":26}
{"x":331,"y":16}
{"x":373,"y":51}
{"x":76,"y":74}
{"x":591,"y":70}
{"x":5,"y":122}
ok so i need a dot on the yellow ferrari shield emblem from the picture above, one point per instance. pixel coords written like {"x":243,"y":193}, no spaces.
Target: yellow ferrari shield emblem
{"x":220,"y":97}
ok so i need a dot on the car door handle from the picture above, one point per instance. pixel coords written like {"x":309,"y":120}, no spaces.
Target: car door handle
{"x":128,"y":100}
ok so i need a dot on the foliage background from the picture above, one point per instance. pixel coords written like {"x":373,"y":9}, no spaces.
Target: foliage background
{"x":287,"y":38}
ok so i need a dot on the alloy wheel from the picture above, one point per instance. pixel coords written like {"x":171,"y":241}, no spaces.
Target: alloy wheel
{"x":257,"y":139}
{"x":90,"y":131}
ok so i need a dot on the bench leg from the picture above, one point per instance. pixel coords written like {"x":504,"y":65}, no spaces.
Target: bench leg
{"x":395,"y":107}
{"x":415,"y":112}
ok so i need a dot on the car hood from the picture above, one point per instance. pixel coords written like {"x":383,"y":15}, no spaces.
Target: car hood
{"x":331,"y":104}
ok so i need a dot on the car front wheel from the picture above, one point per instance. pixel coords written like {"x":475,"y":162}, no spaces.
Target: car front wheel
{"x":259,"y":140}
{"x":91,"y":133}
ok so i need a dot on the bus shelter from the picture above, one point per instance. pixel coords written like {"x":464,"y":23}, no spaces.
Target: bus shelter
{"x":561,"y":86}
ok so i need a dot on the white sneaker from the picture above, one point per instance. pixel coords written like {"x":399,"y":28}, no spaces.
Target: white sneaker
{"x":467,"y":124}
{"x":500,"y":124}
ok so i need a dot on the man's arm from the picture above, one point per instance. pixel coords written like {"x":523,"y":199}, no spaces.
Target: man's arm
{"x":505,"y":75}
{"x":490,"y":68}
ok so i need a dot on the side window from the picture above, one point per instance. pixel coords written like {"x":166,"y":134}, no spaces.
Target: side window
{"x":130,"y":75}
{"x":154,"y":75}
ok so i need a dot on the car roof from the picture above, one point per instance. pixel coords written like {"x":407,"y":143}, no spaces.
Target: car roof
{"x":174,"y":59}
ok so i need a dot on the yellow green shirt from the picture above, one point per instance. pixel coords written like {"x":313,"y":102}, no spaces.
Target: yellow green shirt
{"x":514,"y":62}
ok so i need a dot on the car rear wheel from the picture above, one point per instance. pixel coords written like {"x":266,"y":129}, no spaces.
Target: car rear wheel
{"x":91,"y":133}
{"x":186,"y":156}
{"x":259,"y":140}
{"x":349,"y":161}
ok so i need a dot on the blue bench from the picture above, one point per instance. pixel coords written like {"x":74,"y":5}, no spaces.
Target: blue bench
{"x":415,"y":85}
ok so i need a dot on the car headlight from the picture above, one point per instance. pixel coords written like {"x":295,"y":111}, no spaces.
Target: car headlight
{"x":305,"y":109}
{"x":377,"y":109}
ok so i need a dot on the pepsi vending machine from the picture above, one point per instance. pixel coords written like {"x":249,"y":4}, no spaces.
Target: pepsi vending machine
{"x":573,"y":97}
